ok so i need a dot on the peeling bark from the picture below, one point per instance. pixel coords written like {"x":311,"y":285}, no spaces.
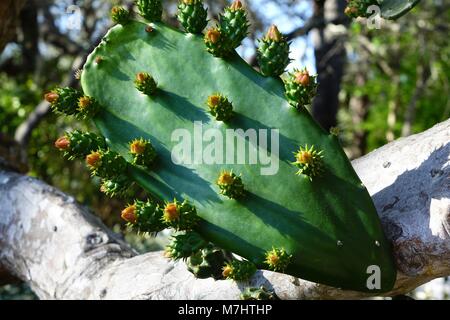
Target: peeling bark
{"x":64,"y":252}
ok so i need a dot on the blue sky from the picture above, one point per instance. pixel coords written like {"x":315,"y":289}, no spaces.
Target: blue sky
{"x":302,"y":52}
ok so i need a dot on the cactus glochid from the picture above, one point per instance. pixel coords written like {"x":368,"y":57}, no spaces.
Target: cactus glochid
{"x":214,"y":124}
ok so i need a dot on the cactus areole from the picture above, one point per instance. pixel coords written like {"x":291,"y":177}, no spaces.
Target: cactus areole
{"x":323,"y":229}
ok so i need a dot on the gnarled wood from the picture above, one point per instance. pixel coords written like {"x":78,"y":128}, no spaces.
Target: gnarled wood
{"x":64,"y":252}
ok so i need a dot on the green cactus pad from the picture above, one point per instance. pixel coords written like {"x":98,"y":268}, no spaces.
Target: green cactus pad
{"x":329,"y":225}
{"x":393,"y":9}
{"x":389,"y":9}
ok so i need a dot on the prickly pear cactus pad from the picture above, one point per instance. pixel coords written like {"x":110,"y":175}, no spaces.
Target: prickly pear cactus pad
{"x":279,"y":191}
{"x":388,"y":9}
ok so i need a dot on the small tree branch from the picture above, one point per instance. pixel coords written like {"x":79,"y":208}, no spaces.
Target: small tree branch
{"x":64,"y":252}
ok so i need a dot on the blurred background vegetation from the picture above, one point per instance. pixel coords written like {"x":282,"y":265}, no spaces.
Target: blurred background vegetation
{"x":376,"y":84}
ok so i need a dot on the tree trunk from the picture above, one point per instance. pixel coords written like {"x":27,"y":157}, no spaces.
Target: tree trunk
{"x":330,"y":59}
{"x":9,"y":12}
{"x":63,"y":252}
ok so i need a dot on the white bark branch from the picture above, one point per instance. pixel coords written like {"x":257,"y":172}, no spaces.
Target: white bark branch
{"x":64,"y":252}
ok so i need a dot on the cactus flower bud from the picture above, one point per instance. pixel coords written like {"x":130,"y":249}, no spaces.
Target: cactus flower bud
{"x":129,"y":214}
{"x":274,"y":34}
{"x":84,"y":102}
{"x":137,"y":147}
{"x":51,"y":97}
{"x":171,"y":212}
{"x":304,"y":157}
{"x":62,"y":143}
{"x":302,"y":77}
{"x":94,"y":159}
{"x":212,"y":36}
{"x":226,"y":271}
{"x":236,"y":5}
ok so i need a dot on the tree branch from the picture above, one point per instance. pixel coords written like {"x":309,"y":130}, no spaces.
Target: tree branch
{"x":64,"y":252}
